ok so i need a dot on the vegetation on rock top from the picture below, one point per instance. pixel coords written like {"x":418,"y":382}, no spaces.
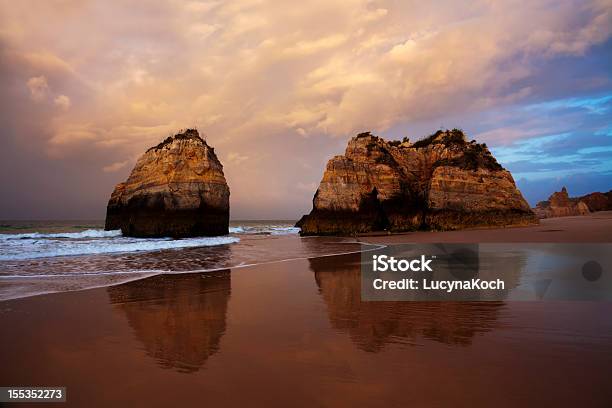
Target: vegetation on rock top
{"x":184,"y":135}
{"x":474,"y":155}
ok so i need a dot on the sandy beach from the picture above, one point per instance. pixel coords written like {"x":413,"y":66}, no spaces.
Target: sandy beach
{"x":296,"y":333}
{"x":595,"y":227}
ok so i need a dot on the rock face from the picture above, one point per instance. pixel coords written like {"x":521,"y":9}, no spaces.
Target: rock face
{"x":559,"y":204}
{"x":176,"y":189}
{"x":598,"y":201}
{"x":441,"y":182}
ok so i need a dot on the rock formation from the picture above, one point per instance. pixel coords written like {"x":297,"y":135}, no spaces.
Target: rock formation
{"x":441,"y":182}
{"x":176,"y":189}
{"x":598,"y":201}
{"x":559,"y":204}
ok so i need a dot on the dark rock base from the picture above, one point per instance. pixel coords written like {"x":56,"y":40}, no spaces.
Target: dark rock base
{"x":175,"y":224}
{"x":448,"y":220}
{"x":350,"y":223}
{"x":157,"y":222}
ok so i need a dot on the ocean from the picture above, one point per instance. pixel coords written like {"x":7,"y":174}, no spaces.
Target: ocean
{"x":39,"y":257}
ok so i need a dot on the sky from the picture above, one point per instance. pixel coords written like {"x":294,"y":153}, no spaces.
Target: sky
{"x":279,"y":87}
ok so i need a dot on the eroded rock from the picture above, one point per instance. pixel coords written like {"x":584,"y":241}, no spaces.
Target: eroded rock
{"x":598,"y":201}
{"x":559,"y":204}
{"x":442,"y":182}
{"x":176,"y":189}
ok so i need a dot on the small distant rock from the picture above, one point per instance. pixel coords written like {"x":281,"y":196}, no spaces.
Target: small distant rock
{"x":598,"y":201}
{"x":559,"y":204}
{"x":176,"y":189}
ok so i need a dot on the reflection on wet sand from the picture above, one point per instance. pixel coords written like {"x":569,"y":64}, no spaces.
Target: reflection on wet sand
{"x":179,"y":319}
{"x":452,"y":262}
{"x":372,"y":325}
{"x":274,"y":345}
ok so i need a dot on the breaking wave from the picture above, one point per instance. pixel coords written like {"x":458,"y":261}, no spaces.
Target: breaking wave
{"x":264,"y":230}
{"x":90,"y":233}
{"x":40,"y":245}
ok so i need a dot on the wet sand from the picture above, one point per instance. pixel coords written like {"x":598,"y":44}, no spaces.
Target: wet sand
{"x":595,"y":227}
{"x":22,"y":278}
{"x":297,"y":334}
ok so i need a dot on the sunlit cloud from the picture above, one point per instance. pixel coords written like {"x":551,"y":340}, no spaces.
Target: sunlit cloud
{"x":236,"y":158}
{"x":113,"y":167}
{"x":39,"y":89}
{"x":62,"y":101}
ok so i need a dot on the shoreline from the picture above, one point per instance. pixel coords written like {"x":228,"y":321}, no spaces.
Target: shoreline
{"x":151,"y":274}
{"x":73,"y":273}
{"x":592,"y":228}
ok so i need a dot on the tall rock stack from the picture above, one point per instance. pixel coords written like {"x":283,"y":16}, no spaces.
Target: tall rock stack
{"x":442,"y":182}
{"x":177,"y":189}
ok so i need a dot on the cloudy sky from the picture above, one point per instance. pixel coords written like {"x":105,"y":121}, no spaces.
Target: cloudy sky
{"x":278,"y":87}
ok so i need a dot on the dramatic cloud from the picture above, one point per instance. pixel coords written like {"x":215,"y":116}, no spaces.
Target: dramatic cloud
{"x":278,"y":87}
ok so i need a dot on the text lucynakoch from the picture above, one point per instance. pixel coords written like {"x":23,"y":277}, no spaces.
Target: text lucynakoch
{"x":440,"y":285}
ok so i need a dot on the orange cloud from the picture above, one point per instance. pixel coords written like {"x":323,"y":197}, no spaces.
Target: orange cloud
{"x":39,"y":89}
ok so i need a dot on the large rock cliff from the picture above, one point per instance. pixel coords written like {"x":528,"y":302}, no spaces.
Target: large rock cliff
{"x":559,"y":204}
{"x":176,"y":189}
{"x":442,"y":182}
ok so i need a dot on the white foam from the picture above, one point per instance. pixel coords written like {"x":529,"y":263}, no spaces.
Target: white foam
{"x":264,"y":229}
{"x":36,"y":245}
{"x":285,"y":230}
{"x":90,"y":233}
{"x":33,"y":248}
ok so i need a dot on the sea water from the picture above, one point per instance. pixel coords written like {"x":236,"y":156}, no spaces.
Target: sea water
{"x":54,"y":256}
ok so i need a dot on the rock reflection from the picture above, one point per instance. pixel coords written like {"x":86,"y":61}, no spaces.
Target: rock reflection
{"x":179,"y":319}
{"x":372,"y":325}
